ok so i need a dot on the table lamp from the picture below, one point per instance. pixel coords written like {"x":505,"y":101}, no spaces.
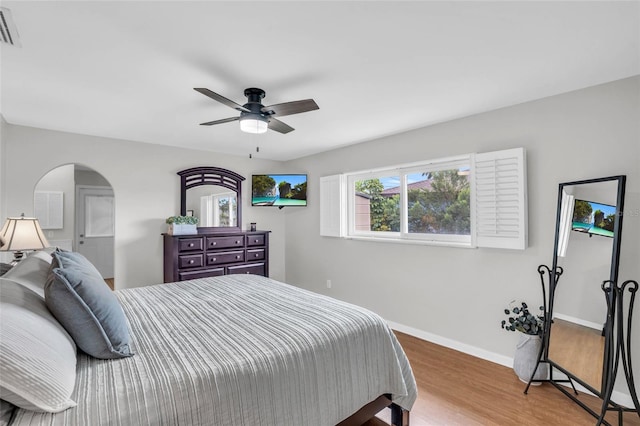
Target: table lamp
{"x":19,"y":234}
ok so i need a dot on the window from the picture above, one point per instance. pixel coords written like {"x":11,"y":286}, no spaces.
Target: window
{"x":428,"y":201}
{"x":99,"y":213}
{"x":471,"y":200}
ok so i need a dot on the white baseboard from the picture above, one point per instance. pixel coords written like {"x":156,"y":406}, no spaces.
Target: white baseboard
{"x":619,"y":397}
{"x":453,"y":344}
{"x":579,"y":321}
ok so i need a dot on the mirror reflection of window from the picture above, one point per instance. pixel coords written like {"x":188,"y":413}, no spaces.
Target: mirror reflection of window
{"x":214,"y":206}
{"x":218,"y":209}
{"x":564,"y":229}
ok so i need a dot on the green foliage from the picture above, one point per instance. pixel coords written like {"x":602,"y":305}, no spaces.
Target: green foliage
{"x":520,"y":319}
{"x":387,"y":214}
{"x":298,"y":192}
{"x":582,"y":211}
{"x":370,"y":187}
{"x":605,"y":222}
{"x":442,"y":209}
{"x":262,"y":185}
{"x":182,"y":220}
{"x":384,"y":211}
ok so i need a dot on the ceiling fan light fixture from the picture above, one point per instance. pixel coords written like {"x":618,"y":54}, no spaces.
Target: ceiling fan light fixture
{"x":254,"y":125}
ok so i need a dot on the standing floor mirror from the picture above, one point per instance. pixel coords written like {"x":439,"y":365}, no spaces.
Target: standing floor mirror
{"x":587,"y":331}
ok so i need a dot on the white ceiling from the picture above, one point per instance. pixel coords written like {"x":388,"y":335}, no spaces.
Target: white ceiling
{"x":127,"y":70}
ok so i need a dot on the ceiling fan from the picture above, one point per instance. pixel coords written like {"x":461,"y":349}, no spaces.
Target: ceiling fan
{"x":255,"y":117}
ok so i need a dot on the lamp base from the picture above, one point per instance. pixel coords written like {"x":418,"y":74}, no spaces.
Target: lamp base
{"x":17,"y":257}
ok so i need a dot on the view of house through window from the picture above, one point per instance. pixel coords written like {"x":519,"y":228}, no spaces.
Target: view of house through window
{"x":413,"y":202}
{"x":470,"y":200}
{"x":377,"y":209}
{"x":438,"y":202}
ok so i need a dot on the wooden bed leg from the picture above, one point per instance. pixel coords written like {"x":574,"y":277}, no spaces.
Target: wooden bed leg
{"x":399,"y":416}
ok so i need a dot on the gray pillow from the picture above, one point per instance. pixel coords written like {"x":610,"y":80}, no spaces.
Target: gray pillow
{"x":37,"y":356}
{"x":79,"y":298}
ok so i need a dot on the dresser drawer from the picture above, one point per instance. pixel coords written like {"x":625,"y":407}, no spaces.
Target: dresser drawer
{"x":190,"y":244}
{"x":255,"y":240}
{"x":225,"y":242}
{"x":225,"y":257}
{"x":192,"y":275}
{"x":251,"y":268}
{"x":190,"y":261}
{"x":255,"y":254}
{"x":209,"y":254}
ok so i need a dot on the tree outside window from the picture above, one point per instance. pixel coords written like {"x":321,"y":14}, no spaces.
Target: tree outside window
{"x":436,"y":202}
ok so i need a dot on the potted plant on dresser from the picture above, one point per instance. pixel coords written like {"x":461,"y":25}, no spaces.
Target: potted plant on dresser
{"x":182,"y":225}
{"x":527,"y":351}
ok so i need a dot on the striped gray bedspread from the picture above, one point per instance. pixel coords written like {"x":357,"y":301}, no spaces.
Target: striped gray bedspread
{"x":238,"y":350}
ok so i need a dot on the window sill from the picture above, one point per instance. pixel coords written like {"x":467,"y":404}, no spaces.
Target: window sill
{"x":412,"y":241}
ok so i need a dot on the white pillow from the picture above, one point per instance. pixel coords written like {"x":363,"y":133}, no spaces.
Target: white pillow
{"x":31,"y":272}
{"x":37,"y":356}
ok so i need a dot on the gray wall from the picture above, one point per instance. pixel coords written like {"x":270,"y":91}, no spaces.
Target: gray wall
{"x":453,"y":295}
{"x":4,"y":256}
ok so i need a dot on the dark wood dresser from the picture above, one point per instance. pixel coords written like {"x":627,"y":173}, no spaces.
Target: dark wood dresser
{"x":187,"y":257}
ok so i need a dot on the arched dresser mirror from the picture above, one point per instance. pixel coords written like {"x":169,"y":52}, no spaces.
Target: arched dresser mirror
{"x":583,"y":341}
{"x":214,"y":195}
{"x":220,"y":247}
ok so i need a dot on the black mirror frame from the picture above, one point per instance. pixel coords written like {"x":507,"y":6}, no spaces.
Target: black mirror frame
{"x":617,"y":227}
{"x":198,"y":176}
{"x":556,"y":271}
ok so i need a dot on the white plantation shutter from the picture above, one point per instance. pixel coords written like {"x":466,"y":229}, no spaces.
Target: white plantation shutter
{"x":49,"y":209}
{"x":333,"y":206}
{"x":501,"y":199}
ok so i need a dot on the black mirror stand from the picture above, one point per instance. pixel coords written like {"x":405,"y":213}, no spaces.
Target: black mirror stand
{"x":617,"y":333}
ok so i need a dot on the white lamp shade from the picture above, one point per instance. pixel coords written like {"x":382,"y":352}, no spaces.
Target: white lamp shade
{"x":252,"y":125}
{"x":22,"y":233}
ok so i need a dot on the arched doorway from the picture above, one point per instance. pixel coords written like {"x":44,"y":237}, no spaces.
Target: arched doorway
{"x":75,"y":206}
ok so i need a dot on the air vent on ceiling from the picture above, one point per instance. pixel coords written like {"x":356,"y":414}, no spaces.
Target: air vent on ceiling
{"x":8,"y":31}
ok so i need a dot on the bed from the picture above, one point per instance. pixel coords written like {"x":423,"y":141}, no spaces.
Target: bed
{"x":231,"y":350}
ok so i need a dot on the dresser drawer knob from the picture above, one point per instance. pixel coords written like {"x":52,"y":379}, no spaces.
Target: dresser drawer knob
{"x":256,"y":241}
{"x":238,"y":256}
{"x":214,"y":243}
{"x":190,"y":244}
{"x":191,"y":262}
{"x":215,"y":258}
{"x":257,"y":255}
{"x":237,"y":242}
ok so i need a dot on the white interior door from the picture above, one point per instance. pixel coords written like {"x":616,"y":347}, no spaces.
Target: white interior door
{"x":95,"y":226}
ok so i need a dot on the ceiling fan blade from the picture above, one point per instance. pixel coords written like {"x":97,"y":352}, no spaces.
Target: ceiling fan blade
{"x":221,"y":99}
{"x":224,"y":120}
{"x":279,"y":126}
{"x":289,"y":108}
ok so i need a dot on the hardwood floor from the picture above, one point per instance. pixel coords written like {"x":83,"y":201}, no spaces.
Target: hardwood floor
{"x":579,"y":349}
{"x":110,"y":282}
{"x":459,"y":389}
